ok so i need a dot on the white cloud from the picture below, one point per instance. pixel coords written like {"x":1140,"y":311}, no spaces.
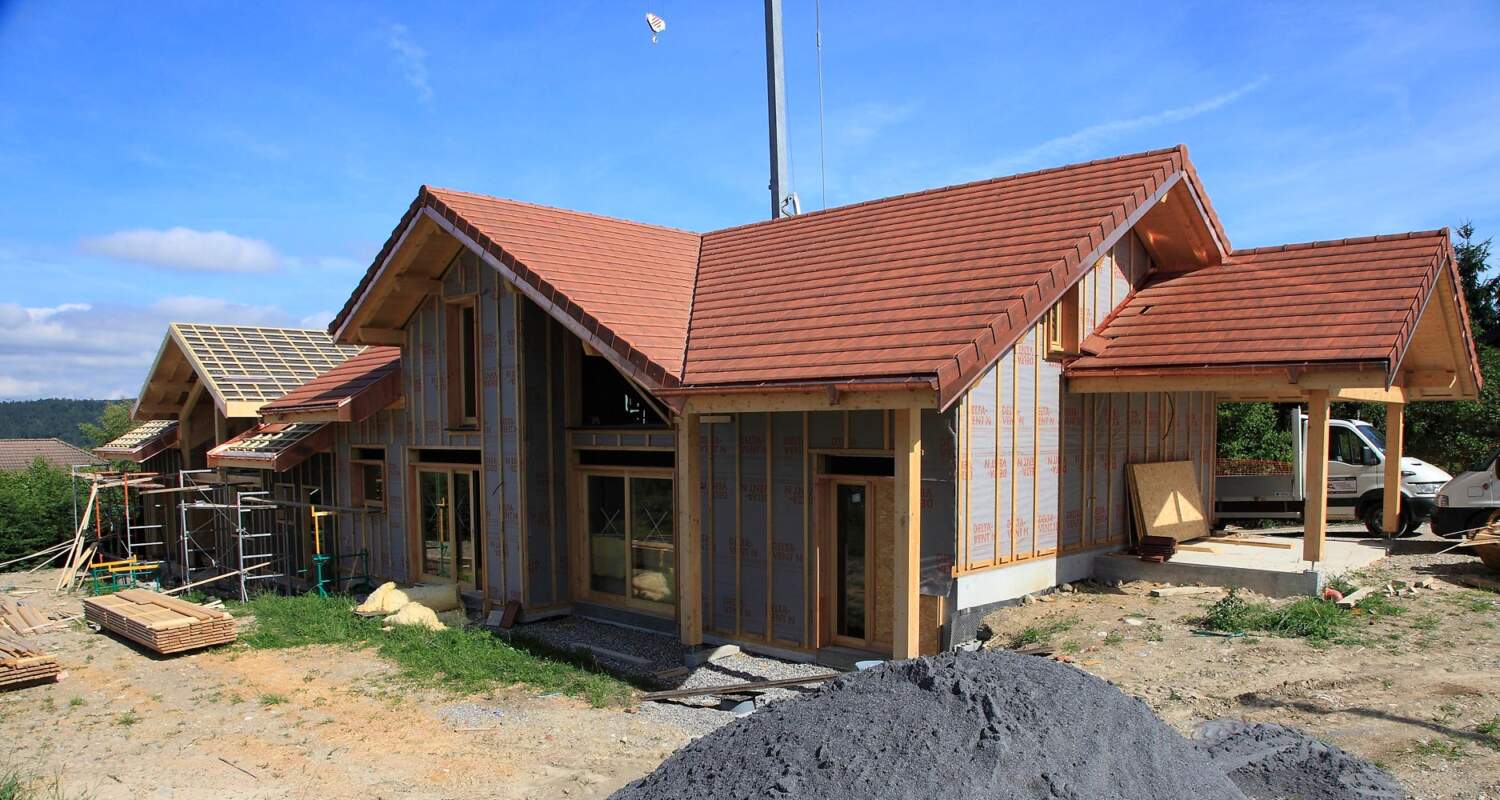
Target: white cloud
{"x":857,"y":125}
{"x":187,"y":249}
{"x":1085,"y":142}
{"x":411,"y":59}
{"x":11,"y":388}
{"x":102,"y":350}
{"x":318,"y":320}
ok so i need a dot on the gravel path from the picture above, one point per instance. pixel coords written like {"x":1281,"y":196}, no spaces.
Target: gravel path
{"x":705,"y":713}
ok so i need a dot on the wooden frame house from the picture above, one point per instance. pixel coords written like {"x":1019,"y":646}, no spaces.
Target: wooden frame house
{"x":847,"y":432}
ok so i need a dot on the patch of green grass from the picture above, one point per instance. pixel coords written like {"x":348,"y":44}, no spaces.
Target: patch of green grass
{"x":1041,"y":633}
{"x":1341,"y":584}
{"x":1153,"y":632}
{"x":272,"y":699}
{"x":1306,"y":617}
{"x":127,"y":719}
{"x":18,"y":785}
{"x":465,"y":660}
{"x":76,"y":701}
{"x":1440,"y":748}
{"x":1114,"y":638}
{"x":1469,"y":600}
{"x":1426,"y":623}
{"x":1378,"y":605}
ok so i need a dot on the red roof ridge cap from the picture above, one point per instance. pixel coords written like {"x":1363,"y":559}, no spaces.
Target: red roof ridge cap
{"x":968,"y":184}
{"x":436,"y":191}
{"x":1383,"y":237}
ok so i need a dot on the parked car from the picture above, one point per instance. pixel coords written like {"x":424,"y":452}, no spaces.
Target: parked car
{"x":1471,"y":500}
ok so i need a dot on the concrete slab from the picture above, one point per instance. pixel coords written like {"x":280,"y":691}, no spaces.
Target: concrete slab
{"x":1274,"y":570}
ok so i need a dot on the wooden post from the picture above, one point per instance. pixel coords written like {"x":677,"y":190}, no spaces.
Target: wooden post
{"x":1395,"y":417}
{"x":1315,"y":484}
{"x":689,"y":531}
{"x":906,"y":640}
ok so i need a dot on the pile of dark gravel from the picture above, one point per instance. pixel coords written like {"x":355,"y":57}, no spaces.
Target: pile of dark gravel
{"x":1271,"y":762}
{"x":991,"y":725}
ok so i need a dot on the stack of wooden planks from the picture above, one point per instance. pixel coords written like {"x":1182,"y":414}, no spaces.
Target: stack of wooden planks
{"x":22,"y":662}
{"x":22,"y":617}
{"x":162,"y":623}
{"x":1165,"y":502}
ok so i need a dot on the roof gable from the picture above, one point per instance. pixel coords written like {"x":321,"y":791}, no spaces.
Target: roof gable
{"x":1389,"y":302}
{"x":241,"y":367}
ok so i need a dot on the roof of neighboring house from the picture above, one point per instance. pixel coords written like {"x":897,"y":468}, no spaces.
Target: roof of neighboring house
{"x":273,"y":446}
{"x":1338,"y":302}
{"x":21,"y":453}
{"x":141,"y":442}
{"x":349,"y":392}
{"x":242,"y":367}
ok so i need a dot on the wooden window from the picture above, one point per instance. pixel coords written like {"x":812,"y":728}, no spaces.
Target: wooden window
{"x":462,"y":342}
{"x":367,"y":477}
{"x":1061,"y":326}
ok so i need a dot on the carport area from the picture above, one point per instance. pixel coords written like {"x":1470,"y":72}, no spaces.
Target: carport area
{"x":1379,"y":319}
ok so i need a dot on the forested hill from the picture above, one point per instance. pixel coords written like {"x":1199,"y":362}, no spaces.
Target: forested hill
{"x":40,"y":419}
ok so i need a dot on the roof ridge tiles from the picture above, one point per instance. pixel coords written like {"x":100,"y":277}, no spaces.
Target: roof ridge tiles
{"x":427,"y":188}
{"x":1382,"y":237}
{"x":965,"y":185}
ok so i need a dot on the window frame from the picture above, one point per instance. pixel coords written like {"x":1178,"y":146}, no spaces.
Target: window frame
{"x":463,"y":385}
{"x":1062,"y":326}
{"x":358,"y":468}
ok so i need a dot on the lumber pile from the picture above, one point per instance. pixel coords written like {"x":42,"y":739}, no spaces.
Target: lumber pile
{"x":159,"y":622}
{"x":21,"y":617}
{"x":1156,"y":548}
{"x":21,"y":663}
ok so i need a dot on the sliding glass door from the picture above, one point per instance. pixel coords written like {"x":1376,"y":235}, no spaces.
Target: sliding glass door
{"x":630,"y":539}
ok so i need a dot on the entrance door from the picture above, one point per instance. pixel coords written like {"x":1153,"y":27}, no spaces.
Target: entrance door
{"x":858,"y":571}
{"x":450,"y":548}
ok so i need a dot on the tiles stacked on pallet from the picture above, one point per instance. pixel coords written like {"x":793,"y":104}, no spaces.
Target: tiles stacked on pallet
{"x":1156,"y":548}
{"x":22,"y":662}
{"x":162,"y":623}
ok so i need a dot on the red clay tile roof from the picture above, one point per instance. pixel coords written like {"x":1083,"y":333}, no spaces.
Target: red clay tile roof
{"x":935,"y":284}
{"x":349,"y":392}
{"x":20,"y":453}
{"x":629,"y":283}
{"x":1354,"y":300}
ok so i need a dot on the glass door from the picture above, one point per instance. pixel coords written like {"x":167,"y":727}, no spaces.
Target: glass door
{"x":851,"y":529}
{"x":632,"y":559}
{"x":449,"y":543}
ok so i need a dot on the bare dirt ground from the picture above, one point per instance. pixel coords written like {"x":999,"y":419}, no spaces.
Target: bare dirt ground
{"x":331,"y":724}
{"x":1416,"y":696}
{"x":321,"y":723}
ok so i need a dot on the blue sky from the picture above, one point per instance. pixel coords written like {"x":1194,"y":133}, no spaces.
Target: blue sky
{"x":242,"y":163}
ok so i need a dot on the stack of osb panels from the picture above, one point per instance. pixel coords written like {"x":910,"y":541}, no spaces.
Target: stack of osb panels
{"x":161,"y":623}
{"x":22,"y":663}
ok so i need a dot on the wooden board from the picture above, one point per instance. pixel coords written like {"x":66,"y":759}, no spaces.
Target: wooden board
{"x":1168,"y":500}
{"x":162,"y":623}
{"x":22,"y":662}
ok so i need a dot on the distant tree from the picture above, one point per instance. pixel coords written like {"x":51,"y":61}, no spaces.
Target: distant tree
{"x":114,"y":421}
{"x":43,"y":419}
{"x":1480,"y":292}
{"x":1253,"y":431}
{"x":36,"y":509}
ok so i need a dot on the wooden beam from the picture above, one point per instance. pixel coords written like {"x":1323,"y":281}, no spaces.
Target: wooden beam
{"x":1395,"y":419}
{"x":1395,"y":394}
{"x":689,"y":531}
{"x":406,"y":284}
{"x":906,"y":641}
{"x":1430,"y":379}
{"x":389,"y":337}
{"x":1315,"y":483}
{"x":810,"y":401}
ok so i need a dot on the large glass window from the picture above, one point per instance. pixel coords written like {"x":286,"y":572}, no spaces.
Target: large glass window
{"x":631,"y":542}
{"x":447,"y":500}
{"x":463,"y":365}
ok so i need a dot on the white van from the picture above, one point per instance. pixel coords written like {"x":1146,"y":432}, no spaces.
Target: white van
{"x":1472,"y":500}
{"x":1356,"y":482}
